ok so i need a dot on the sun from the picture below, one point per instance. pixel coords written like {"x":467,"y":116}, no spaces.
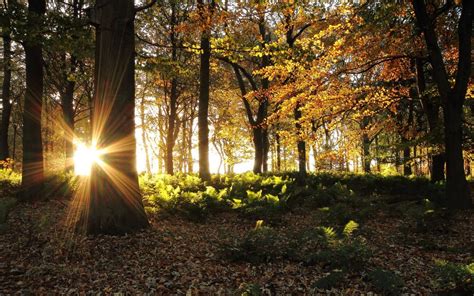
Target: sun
{"x":84,"y":157}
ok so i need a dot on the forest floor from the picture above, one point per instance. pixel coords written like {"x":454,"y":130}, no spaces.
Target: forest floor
{"x":178,"y":257}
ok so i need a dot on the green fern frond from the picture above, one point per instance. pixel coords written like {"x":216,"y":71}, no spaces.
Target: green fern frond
{"x":350,"y":227}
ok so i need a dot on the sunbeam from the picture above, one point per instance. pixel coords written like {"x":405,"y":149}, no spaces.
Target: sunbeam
{"x":84,"y":157}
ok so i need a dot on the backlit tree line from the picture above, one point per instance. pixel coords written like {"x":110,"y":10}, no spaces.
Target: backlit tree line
{"x":365,"y":86}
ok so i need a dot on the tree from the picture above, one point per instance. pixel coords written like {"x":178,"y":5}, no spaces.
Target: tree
{"x":204,"y":83}
{"x":33,"y":167}
{"x":6,"y":85}
{"x":452,"y":97}
{"x":115,"y":205}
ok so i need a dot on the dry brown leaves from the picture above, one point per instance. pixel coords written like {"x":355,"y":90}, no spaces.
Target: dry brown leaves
{"x":176,"y":257}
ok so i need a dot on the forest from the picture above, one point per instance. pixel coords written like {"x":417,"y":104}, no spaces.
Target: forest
{"x":236,"y":147}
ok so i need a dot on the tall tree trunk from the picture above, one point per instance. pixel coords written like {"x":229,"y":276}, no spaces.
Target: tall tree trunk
{"x":6,"y":104}
{"x":456,"y":185}
{"x":115,"y":205}
{"x":33,"y":166}
{"x":453,"y":98}
{"x":203,"y":107}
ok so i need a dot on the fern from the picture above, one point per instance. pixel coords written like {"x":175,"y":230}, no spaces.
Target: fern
{"x":350,"y":227}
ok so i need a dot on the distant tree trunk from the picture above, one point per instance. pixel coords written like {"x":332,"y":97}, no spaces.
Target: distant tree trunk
{"x":406,"y":157}
{"x":266,"y":149}
{"x":366,"y":160}
{"x":453,"y":98}
{"x":6,"y":104}
{"x":366,"y":153}
{"x":203,"y":111}
{"x":301,"y":145}
{"x":278,"y":152}
{"x":431,"y":110}
{"x":315,"y":157}
{"x":144,"y":135}
{"x":190,"y":161}
{"x":407,"y":171}
{"x":115,"y":205}
{"x":170,"y":135}
{"x":15,"y":129}
{"x":67,"y":102}
{"x":67,"y":98}
{"x":33,"y":166}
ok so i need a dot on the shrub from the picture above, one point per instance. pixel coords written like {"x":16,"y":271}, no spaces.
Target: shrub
{"x":347,"y":254}
{"x":262,"y":244}
{"x":249,"y":289}
{"x":343,"y":212}
{"x":332,"y":280}
{"x":386,"y":282}
{"x":60,"y":185}
{"x":9,"y":181}
{"x":454,"y":277}
{"x":6,"y":204}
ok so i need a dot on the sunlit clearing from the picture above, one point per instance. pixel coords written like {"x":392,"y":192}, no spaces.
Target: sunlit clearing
{"x":84,"y":158}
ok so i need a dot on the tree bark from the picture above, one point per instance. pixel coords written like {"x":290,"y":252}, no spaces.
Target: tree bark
{"x":33,"y":166}
{"x":115,"y":205}
{"x":6,"y":97}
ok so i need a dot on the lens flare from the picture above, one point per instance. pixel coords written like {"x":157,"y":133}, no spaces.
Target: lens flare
{"x":84,"y":157}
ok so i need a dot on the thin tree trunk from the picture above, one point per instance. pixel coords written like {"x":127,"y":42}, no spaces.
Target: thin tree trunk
{"x":15,"y":133}
{"x":278,"y":152}
{"x":407,"y":171}
{"x":33,"y":166}
{"x":170,"y":135}
{"x":144,"y":135}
